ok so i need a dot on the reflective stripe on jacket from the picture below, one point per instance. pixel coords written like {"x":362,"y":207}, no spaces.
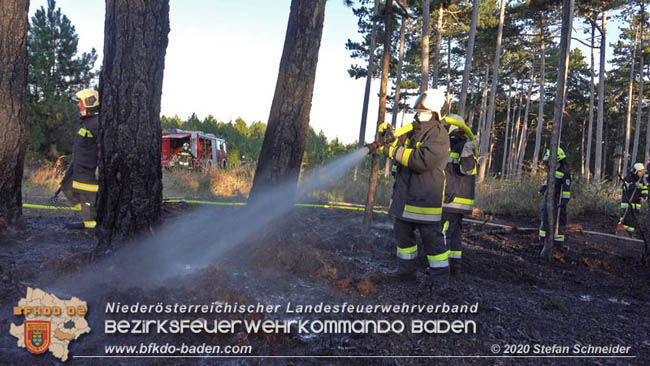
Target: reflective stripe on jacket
{"x":421,"y":155}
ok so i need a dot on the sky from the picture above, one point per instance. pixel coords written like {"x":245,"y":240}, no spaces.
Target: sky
{"x":223,"y":58}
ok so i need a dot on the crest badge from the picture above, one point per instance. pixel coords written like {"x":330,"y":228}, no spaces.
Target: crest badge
{"x":37,"y":335}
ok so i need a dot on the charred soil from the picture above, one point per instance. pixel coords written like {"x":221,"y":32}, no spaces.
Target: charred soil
{"x":593,"y":292}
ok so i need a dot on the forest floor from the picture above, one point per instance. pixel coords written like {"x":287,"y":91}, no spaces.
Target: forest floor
{"x":593,"y":292}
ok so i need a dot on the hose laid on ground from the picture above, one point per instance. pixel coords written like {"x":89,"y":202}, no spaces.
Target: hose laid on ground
{"x":338,"y":206}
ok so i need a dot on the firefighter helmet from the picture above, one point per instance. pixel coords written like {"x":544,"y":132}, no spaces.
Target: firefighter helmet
{"x":560,"y":154}
{"x":431,"y":100}
{"x":452,"y":128}
{"x":186,"y":146}
{"x":87,"y":101}
{"x":637,"y":167}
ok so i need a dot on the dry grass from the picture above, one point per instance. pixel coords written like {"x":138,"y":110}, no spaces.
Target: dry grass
{"x":234,"y":183}
{"x":519,"y":197}
{"x":494,"y":196}
{"x":45,"y":175}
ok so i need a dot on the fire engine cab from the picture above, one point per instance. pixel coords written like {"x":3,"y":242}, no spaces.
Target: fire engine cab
{"x":209,"y":150}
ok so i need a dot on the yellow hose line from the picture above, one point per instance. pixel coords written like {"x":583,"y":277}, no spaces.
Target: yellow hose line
{"x":47,"y":207}
{"x":297,"y":205}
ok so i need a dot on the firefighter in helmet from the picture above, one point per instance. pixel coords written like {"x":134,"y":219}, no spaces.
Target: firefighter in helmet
{"x":560,"y":200}
{"x":635,"y":192}
{"x":80,"y":184}
{"x":459,"y":191}
{"x":185,"y":157}
{"x":421,"y":151}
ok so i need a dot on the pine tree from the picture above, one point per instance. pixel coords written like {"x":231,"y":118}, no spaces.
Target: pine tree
{"x":56,"y":73}
{"x":13,"y":84}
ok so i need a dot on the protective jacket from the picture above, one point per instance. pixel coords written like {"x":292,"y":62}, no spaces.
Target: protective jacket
{"x":461,"y":178}
{"x":185,"y":157}
{"x":84,"y":156}
{"x":634,"y":188}
{"x":562,"y":186}
{"x":421,"y":152}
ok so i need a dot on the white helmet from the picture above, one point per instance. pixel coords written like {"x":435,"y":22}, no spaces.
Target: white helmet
{"x":186,"y":145}
{"x":432,"y":100}
{"x":638,"y":167}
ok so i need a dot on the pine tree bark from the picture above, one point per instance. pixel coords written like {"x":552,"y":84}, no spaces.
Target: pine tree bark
{"x":601,"y":101}
{"x":13,"y":107}
{"x":286,"y":133}
{"x":426,"y":30}
{"x":398,"y":81}
{"x":639,"y":107}
{"x":436,"y":61}
{"x":130,"y":87}
{"x":542,"y":91}
{"x":374,"y":167}
{"x":485,"y":142}
{"x":560,"y":93}
{"x":523,"y":138}
{"x":366,"y":94}
{"x":505,"y":139}
{"x":591,"y":105}
{"x":468,"y":59}
{"x":630,"y":94}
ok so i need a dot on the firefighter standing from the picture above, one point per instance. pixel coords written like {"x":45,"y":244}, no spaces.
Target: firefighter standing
{"x":79,"y":184}
{"x":635,"y":191}
{"x":185,"y":157}
{"x":560,"y":200}
{"x":459,"y":192}
{"x":420,"y":150}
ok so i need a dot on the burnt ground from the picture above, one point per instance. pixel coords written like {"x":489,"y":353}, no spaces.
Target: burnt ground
{"x":592,"y":292}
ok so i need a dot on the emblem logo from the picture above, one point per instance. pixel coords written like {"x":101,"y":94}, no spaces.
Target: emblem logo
{"x":37,"y":335}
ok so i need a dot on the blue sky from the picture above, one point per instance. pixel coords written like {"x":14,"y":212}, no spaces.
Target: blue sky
{"x":223,"y":57}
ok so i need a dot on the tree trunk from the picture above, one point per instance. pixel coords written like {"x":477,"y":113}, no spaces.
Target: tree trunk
{"x":521,"y":150}
{"x":647,"y":134}
{"x":468,"y":59}
{"x":484,"y":96}
{"x":286,"y":133}
{"x":618,"y":152}
{"x":485,"y":142}
{"x":505,"y":139}
{"x":515,"y":134}
{"x":436,"y":62}
{"x":426,"y":30}
{"x":130,"y":86}
{"x":542,"y":92}
{"x":630,"y":93}
{"x":13,"y":108}
{"x":372,"y":188}
{"x":591,"y":105}
{"x":560,"y":92}
{"x":398,"y":81}
{"x":601,"y":100}
{"x":582,"y":148}
{"x":639,"y":107}
{"x":366,"y":94}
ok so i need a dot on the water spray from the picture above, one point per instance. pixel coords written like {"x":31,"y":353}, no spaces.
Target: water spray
{"x":200,"y":238}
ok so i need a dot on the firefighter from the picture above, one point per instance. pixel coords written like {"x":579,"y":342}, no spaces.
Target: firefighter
{"x":560,"y":200}
{"x":420,"y":150}
{"x":635,"y":192}
{"x":185,"y":157}
{"x":459,"y":192}
{"x":79,"y":185}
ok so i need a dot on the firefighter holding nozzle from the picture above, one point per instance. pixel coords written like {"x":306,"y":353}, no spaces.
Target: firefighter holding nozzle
{"x":420,"y":151}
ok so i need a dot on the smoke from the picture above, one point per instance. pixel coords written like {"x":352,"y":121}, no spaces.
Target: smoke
{"x":199,"y":238}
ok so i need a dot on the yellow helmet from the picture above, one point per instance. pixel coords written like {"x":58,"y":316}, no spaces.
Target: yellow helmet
{"x":88,"y":97}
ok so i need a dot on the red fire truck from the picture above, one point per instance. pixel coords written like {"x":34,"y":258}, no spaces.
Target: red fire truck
{"x":209,"y":150}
